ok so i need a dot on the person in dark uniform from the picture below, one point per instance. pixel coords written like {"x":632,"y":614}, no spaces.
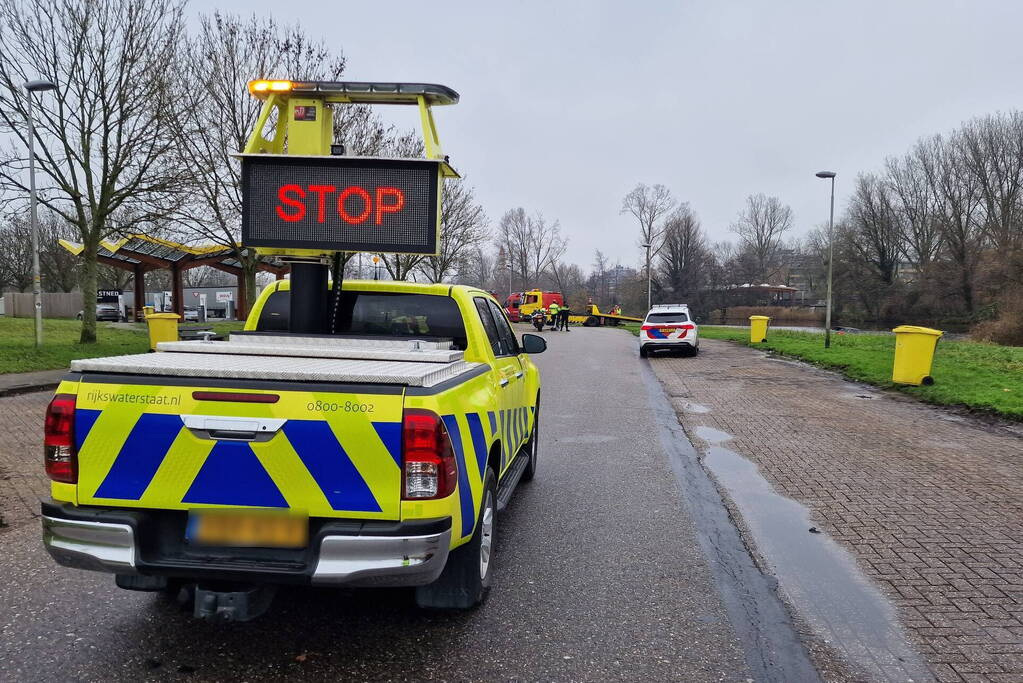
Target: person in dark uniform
{"x":563,"y":317}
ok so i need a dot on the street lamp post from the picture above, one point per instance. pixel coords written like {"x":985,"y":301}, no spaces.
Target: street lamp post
{"x":831,"y":256}
{"x":37,"y":292}
{"x":649,"y":301}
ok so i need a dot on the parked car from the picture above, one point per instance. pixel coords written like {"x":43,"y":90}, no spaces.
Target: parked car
{"x":669,"y":326}
{"x":191,"y":315}
{"x":105,"y":312}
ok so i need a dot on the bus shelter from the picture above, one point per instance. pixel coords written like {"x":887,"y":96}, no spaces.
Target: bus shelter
{"x":141,"y":254}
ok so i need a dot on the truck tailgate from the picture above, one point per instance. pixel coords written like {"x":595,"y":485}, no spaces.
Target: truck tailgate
{"x":330,"y":452}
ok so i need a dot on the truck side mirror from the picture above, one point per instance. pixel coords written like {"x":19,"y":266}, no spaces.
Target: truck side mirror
{"x":533,"y":343}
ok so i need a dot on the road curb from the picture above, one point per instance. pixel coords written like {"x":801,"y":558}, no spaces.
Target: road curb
{"x":27,"y":388}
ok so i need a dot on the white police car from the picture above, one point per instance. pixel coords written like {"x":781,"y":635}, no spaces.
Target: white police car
{"x":669,"y":326}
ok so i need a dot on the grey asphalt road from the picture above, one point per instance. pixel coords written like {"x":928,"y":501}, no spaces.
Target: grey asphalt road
{"x":599,"y":575}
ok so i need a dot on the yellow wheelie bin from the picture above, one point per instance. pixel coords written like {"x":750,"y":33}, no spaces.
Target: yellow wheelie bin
{"x":914,"y":353}
{"x":162,"y":327}
{"x":758,"y":328}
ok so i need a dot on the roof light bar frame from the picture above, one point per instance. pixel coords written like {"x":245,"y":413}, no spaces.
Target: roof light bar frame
{"x":276,"y":93}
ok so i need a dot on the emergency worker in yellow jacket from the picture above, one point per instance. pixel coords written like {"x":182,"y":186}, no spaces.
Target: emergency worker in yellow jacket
{"x":553,"y":310}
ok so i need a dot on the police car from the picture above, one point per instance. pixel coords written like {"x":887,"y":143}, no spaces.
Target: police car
{"x":669,"y":326}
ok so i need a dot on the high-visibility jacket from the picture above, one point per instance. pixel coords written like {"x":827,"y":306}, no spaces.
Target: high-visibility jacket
{"x":554,"y":308}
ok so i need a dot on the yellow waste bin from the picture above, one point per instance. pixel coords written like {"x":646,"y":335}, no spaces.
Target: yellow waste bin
{"x":758,"y":328}
{"x":148,"y":311}
{"x":162,"y":327}
{"x":914,"y":352}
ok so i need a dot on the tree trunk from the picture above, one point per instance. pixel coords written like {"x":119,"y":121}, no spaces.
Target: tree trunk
{"x":966,"y":288}
{"x":89,"y":263}
{"x":250,"y":264}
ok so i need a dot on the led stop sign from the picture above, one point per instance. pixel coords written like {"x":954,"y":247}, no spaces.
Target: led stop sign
{"x":340,"y":203}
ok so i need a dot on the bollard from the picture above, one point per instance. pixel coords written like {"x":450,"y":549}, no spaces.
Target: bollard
{"x":758,"y":328}
{"x":914,"y":354}
{"x":162,"y":327}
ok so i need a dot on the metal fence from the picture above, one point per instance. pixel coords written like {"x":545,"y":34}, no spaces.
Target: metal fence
{"x":55,"y":305}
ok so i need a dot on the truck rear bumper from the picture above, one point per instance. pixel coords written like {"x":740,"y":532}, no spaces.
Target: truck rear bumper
{"x":340,"y":553}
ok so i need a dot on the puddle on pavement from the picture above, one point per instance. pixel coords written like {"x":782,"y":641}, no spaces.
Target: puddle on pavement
{"x":711,"y":435}
{"x":819,"y":577}
{"x":695,"y":408}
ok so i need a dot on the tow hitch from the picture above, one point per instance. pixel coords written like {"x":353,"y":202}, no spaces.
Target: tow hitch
{"x":239,"y":603}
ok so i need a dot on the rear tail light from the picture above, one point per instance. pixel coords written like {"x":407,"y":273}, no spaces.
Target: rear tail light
{"x":429,"y":463}
{"x":59,"y":454}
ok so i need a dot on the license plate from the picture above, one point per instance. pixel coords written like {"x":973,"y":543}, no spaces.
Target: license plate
{"x":666,"y":331}
{"x":262,"y":529}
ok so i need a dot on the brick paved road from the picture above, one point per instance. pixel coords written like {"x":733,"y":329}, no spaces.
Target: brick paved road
{"x":930,"y":504}
{"x":22,"y":481}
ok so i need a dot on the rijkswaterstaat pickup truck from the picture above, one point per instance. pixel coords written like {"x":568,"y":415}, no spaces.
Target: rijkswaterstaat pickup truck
{"x":377,"y":455}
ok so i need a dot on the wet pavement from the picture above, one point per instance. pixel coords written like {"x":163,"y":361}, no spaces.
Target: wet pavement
{"x":607,"y":568}
{"x":819,"y":577}
{"x":894,"y":528}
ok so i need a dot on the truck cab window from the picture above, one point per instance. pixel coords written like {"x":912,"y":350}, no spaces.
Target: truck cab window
{"x":380,"y":314}
{"x":508,"y":340}
{"x":483,"y":308}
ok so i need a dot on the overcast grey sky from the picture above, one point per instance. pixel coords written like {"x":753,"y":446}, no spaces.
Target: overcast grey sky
{"x":567,"y":105}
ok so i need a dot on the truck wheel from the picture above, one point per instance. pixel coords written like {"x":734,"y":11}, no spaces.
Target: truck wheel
{"x":469,"y":571}
{"x":532,"y":447}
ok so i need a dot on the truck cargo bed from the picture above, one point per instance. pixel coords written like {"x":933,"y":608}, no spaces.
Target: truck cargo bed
{"x":302,"y":359}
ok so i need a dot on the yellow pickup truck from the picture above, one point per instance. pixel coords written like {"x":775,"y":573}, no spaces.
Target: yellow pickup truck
{"x":377,"y":455}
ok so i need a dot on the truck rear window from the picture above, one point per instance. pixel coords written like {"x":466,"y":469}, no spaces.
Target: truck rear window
{"x":379,"y":314}
{"x":667,"y":318}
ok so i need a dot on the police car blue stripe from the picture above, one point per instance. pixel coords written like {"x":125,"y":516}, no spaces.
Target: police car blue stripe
{"x":493,"y":423}
{"x":390,"y":434}
{"x":140,"y":457}
{"x":479,"y":441}
{"x":331,"y":468}
{"x":233,"y":475}
{"x":464,"y":492}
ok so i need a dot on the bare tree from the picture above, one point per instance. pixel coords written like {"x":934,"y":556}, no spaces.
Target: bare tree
{"x":600,"y":281}
{"x":992,"y":151}
{"x":649,"y":206}
{"x":103,"y":137}
{"x":530,"y":243}
{"x":760,"y":226}
{"x":684,"y":256}
{"x":59,"y":268}
{"x":216,"y":115}
{"x":957,"y":210}
{"x":913,"y":200}
{"x":876,"y":234}
{"x":463,"y":230}
{"x":15,"y":254}
{"x":480,"y":269}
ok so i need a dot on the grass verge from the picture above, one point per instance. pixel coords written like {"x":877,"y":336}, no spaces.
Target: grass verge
{"x":980,"y":377}
{"x":18,"y":352}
